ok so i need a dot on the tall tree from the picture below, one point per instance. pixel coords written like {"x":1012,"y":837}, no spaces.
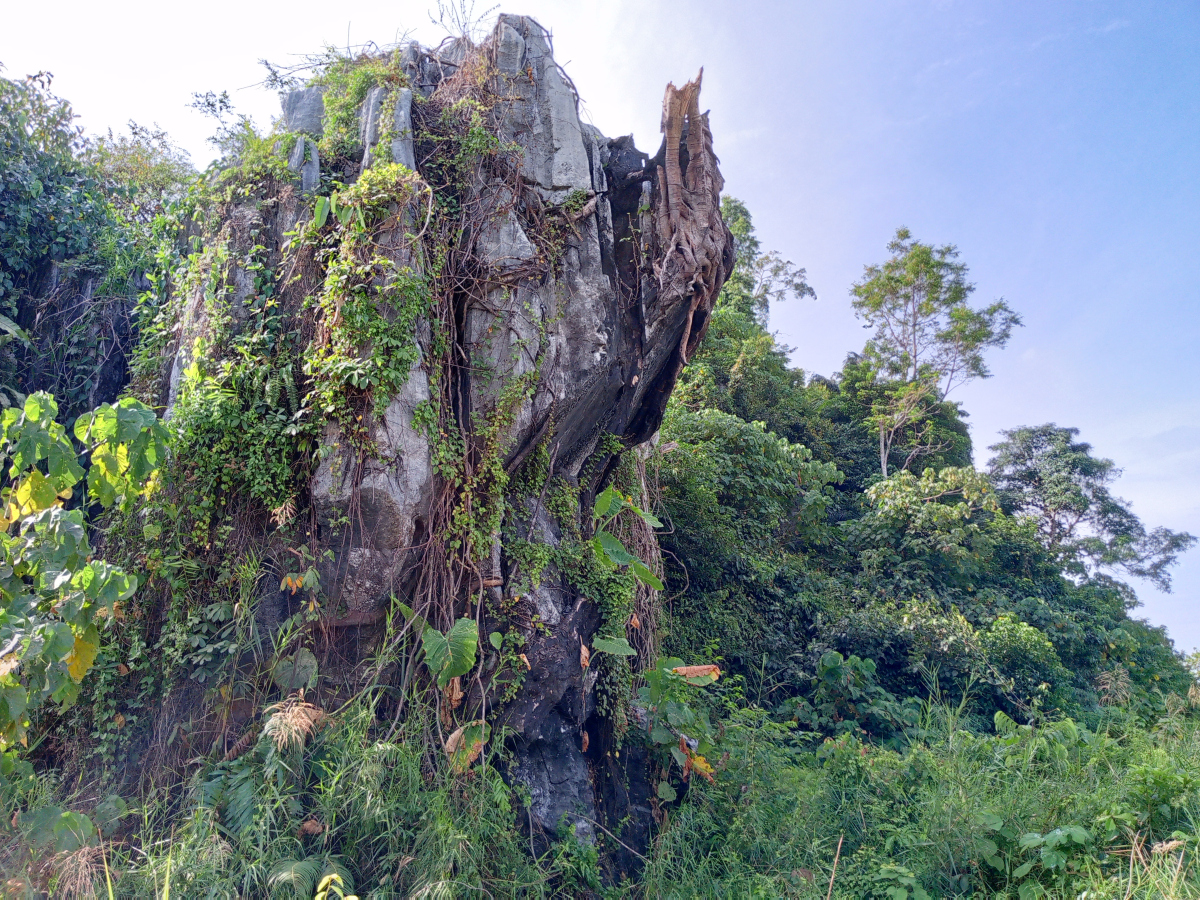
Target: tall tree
{"x":928,"y":338}
{"x":1044,"y":473}
{"x":758,"y":279}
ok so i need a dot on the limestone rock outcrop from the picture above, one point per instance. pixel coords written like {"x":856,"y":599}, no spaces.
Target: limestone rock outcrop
{"x":588,"y":281}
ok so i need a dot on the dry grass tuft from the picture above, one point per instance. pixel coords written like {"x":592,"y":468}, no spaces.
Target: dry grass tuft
{"x":76,"y":872}
{"x":292,"y":722}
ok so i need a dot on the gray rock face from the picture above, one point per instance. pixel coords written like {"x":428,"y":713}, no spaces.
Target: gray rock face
{"x":371,"y":128}
{"x":310,"y":172}
{"x":307,"y":161}
{"x":304,"y":110}
{"x":502,"y":243}
{"x":368,"y":124}
{"x":510,"y":49}
{"x":543,"y":119}
{"x":371,"y":515}
{"x":402,"y":143}
{"x":298,"y":154}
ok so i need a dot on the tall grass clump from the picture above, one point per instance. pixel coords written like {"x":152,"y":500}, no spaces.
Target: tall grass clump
{"x":1048,"y":810}
{"x":340,"y":794}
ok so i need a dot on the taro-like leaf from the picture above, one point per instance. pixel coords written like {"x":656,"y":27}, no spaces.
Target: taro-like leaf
{"x":452,"y":654}
{"x":296,"y":671}
{"x":604,"y":501}
{"x":615,"y":646}
{"x":614,"y":549}
{"x":645,"y":576}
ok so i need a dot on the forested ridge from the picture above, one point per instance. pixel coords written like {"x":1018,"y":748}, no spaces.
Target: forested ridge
{"x":829,"y":647}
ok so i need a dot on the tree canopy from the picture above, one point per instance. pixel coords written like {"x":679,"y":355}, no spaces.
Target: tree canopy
{"x":1044,"y":473}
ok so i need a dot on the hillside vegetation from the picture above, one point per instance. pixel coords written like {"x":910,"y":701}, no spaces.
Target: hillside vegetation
{"x":882,"y":662}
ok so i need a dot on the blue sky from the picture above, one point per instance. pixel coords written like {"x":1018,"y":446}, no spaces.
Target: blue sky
{"x":1055,"y":143}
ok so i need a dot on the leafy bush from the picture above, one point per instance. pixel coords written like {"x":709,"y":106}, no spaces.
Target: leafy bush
{"x":51,"y":203}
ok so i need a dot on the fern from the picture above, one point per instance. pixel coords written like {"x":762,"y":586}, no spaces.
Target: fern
{"x":303,"y":875}
{"x":289,"y":383}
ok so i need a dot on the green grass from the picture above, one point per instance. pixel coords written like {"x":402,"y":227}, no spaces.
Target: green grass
{"x":936,"y":812}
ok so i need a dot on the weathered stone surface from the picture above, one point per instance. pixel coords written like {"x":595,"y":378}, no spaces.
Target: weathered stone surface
{"x":296,"y":157}
{"x":605,"y":333}
{"x":310,"y":172}
{"x":510,"y":49}
{"x":587,"y":276}
{"x":306,"y":160}
{"x":304,"y":110}
{"x":543,"y":118}
{"x":502,"y":243}
{"x":369,"y":124}
{"x":402,"y":142}
{"x":369,"y":516}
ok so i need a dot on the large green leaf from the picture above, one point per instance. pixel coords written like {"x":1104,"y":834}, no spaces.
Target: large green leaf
{"x":614,"y":549}
{"x":452,"y":654}
{"x":321,"y":211}
{"x":604,"y":501}
{"x":649,"y":518}
{"x":615,"y":646}
{"x":9,"y":326}
{"x":298,"y":671}
{"x":645,"y":575}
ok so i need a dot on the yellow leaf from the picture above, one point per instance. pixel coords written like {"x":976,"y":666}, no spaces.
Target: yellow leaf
{"x":81,"y":657}
{"x":702,"y":765}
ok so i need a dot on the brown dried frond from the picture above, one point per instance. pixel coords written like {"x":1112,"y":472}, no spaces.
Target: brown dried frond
{"x":472,"y":79}
{"x":243,"y":743}
{"x":284,"y":514}
{"x":76,"y":872}
{"x":454,"y":693}
{"x":311,"y":826}
{"x":458,"y":752}
{"x":1166,"y":846}
{"x":292,"y":722}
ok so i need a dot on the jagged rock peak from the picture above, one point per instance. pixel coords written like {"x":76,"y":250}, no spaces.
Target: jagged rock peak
{"x":565,"y":280}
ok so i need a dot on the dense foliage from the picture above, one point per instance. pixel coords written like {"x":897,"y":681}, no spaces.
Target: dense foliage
{"x":51,"y":204}
{"x":925,"y":661}
{"x":920,"y":679}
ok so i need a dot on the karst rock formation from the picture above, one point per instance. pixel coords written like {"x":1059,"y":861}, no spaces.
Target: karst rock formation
{"x":569,"y":352}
